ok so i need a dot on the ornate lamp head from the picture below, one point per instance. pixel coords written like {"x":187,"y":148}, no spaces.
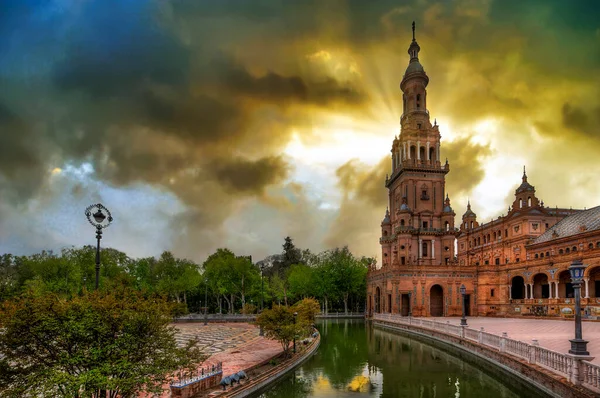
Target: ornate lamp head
{"x":463,"y":290}
{"x":576,"y":269}
{"x":98,"y":215}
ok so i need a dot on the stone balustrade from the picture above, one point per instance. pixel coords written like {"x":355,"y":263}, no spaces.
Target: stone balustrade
{"x":577,"y":370}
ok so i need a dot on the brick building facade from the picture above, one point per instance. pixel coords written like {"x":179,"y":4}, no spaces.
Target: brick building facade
{"x":513,"y":265}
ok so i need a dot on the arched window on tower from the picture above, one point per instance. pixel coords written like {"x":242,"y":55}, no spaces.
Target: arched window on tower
{"x":413,"y":152}
{"x":432,"y":154}
{"x":401,"y":223}
{"x":529,"y":201}
{"x":471,"y":224}
{"x":447,"y":225}
{"x":418,"y":101}
{"x":424,"y":249}
{"x":520,"y":203}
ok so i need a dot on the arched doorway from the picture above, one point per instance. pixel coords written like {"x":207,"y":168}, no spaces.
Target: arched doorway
{"x":565,"y":287}
{"x":377,"y":300}
{"x":541,"y":288}
{"x":594,"y":283}
{"x":436,"y":301}
{"x":517,"y":290}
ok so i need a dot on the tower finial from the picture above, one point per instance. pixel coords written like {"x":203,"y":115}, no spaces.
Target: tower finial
{"x":413,"y":27}
{"x":524,"y":174}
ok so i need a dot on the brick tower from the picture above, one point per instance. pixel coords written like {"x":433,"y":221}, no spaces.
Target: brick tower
{"x":418,"y":234}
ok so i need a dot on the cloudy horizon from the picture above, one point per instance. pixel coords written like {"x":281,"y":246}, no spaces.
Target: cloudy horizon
{"x":233,"y":124}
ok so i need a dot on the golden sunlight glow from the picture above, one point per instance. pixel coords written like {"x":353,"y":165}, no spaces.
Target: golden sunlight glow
{"x":322,"y":384}
{"x":56,"y":170}
{"x":338,"y":147}
{"x":341,"y":65}
{"x":359,"y":383}
{"x":484,"y":130}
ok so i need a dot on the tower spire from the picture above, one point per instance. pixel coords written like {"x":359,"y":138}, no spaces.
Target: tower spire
{"x":413,"y":28}
{"x":524,"y":174}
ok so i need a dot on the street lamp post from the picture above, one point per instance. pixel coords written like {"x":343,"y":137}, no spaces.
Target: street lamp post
{"x":295,"y":316}
{"x":463,"y":292}
{"x":205,"y":303}
{"x":578,"y":344}
{"x":262,"y":284}
{"x":100,"y":217}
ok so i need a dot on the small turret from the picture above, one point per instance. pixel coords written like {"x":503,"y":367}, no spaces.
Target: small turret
{"x":447,"y":207}
{"x":386,"y":219}
{"x":469,"y":219}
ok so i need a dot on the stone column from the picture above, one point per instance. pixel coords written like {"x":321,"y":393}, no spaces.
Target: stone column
{"x":408,"y":147}
{"x":532,"y":289}
{"x":587,"y":295}
{"x":427,"y":154}
{"x":550,"y":290}
{"x":404,"y":150}
{"x":420,"y":248}
{"x":418,"y":150}
{"x":433,"y":249}
{"x":510,"y":292}
{"x":556,"y":290}
{"x":526,"y":290}
{"x":438,"y":151}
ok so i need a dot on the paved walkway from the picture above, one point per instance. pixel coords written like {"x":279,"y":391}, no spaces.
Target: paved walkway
{"x":551,"y":334}
{"x":237,"y":345}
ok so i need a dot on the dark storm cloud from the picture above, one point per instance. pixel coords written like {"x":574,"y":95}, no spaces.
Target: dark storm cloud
{"x":127,"y":69}
{"x":242,"y":175}
{"x":467,"y":162}
{"x":582,"y":121}
{"x":199,"y":97}
{"x":364,"y":183}
{"x":362,"y":206}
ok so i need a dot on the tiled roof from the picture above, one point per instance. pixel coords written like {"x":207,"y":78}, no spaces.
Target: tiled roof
{"x":582,"y":221}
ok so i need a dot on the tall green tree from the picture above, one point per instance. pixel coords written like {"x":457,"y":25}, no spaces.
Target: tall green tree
{"x":300,"y":281}
{"x":348,"y":273}
{"x":116,"y":340}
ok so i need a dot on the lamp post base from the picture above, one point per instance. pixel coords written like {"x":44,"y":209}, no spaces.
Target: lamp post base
{"x":463,"y":321}
{"x":579,"y":347}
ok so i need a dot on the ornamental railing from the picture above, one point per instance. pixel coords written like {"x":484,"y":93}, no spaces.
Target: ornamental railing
{"x":185,"y":378}
{"x":591,"y":375}
{"x":577,"y":371}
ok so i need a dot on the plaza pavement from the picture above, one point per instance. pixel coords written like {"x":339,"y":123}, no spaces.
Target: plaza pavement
{"x":237,"y":345}
{"x":551,"y":334}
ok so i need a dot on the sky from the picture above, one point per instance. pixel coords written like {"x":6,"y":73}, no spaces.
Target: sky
{"x":233,"y":123}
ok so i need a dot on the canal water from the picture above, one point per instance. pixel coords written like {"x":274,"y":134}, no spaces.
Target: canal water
{"x":357,"y":360}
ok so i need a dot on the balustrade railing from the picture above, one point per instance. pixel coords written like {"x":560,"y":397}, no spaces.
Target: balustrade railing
{"x":471,"y":334}
{"x":492,"y":340}
{"x":591,"y":375}
{"x":186,"y":378}
{"x":559,"y":363}
{"x":517,"y":348}
{"x":553,"y":360}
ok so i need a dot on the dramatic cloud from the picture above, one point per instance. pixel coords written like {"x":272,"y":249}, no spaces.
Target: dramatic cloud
{"x":362,"y":208}
{"x":226,"y":109}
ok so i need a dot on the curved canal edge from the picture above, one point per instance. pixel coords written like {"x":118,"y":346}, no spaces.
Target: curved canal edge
{"x":271,"y":376}
{"x":551,"y":385}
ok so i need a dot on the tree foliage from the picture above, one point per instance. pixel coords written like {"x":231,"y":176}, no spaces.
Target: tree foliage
{"x":118,"y":340}
{"x":278,"y":324}
{"x":224,"y":282}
